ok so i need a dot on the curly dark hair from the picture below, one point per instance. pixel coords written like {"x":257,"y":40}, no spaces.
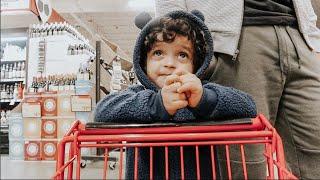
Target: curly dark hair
{"x":168,"y":28}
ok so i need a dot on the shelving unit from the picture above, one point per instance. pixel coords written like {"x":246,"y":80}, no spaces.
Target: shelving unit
{"x":13,"y":80}
{"x":13,"y":53}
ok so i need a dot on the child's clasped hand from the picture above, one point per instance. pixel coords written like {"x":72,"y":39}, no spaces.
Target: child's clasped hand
{"x":180,"y":90}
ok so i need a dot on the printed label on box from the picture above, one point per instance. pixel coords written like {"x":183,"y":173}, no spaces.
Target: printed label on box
{"x":32,"y":150}
{"x":49,"y":150}
{"x":81,"y":103}
{"x":49,"y":104}
{"x":49,"y":128}
{"x":31,"y":109}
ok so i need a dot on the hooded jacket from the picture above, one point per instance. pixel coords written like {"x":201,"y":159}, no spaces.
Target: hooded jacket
{"x":143,"y":104}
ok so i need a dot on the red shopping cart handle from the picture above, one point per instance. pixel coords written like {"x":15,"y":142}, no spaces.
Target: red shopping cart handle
{"x":98,"y":125}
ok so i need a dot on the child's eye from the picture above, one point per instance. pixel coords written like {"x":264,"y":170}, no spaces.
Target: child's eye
{"x":183,"y":55}
{"x":157,"y":53}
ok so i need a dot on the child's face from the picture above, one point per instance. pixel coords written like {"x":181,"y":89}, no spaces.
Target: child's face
{"x":165,"y":59}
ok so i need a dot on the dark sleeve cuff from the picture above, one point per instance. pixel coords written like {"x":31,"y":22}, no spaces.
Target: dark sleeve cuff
{"x":157,"y":109}
{"x":207,"y":103}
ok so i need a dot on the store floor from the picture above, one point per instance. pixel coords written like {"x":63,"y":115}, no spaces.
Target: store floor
{"x":19,"y":169}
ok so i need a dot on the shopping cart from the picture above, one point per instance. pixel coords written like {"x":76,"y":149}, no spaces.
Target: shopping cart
{"x":226,"y":133}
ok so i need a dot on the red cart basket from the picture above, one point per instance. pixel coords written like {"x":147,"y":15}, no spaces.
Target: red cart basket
{"x":226,"y":133}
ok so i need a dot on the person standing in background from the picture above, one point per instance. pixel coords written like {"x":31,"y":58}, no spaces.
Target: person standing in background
{"x":271,"y":50}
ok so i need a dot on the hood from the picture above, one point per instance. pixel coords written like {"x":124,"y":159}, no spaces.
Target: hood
{"x":146,"y":23}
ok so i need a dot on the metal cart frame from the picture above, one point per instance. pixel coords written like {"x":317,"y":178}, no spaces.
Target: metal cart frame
{"x":254,"y":131}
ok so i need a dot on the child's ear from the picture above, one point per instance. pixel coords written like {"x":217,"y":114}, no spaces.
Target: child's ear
{"x":142,"y":19}
{"x":198,"y":14}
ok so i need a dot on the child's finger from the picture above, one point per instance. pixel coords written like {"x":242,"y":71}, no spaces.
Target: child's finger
{"x":180,"y":104}
{"x":187,"y":78}
{"x":187,"y":94}
{"x":174,"y":86}
{"x":171,"y":79}
{"x":181,"y":72}
{"x":186,"y":87}
{"x":182,"y":96}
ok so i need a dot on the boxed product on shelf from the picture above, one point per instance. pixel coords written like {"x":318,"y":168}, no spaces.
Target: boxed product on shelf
{"x":83,"y":87}
{"x":64,"y":103}
{"x":81,"y":103}
{"x":31,"y":105}
{"x":32,"y":128}
{"x":48,"y":128}
{"x":16,"y":149}
{"x":32,"y":150}
{"x":64,"y":125}
{"x":49,"y":104}
{"x":31,"y":109}
{"x":15,"y":128}
{"x":49,"y":150}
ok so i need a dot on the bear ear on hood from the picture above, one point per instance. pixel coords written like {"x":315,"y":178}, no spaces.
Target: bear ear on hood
{"x":198,"y":14}
{"x":142,"y":19}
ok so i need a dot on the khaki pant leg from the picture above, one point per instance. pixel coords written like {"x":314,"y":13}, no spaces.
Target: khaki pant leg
{"x":298,"y":121}
{"x":256,"y":71}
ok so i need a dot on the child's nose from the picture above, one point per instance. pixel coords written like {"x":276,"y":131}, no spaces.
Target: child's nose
{"x":169,"y":62}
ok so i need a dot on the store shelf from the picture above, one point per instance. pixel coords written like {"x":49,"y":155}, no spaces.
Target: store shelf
{"x":13,"y":80}
{"x":4,"y":127}
{"x":13,"y":39}
{"x":9,"y":61}
{"x":8,"y":100}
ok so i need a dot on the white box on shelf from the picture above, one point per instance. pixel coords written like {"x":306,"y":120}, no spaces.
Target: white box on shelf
{"x":16,"y":149}
{"x":15,"y":129}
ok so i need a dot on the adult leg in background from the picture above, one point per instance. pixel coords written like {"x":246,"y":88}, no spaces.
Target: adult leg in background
{"x":257,"y":71}
{"x":298,"y":120}
{"x":277,"y":68}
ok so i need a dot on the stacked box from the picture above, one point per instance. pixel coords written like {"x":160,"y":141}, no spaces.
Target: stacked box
{"x":16,"y":149}
{"x":31,"y":106}
{"x":49,"y":150}
{"x":84,"y":88}
{"x":48,"y":128}
{"x":63,"y":126}
{"x":15,"y":126}
{"x":32,"y":150}
{"x":32,"y":128}
{"x":16,"y":141}
{"x":64,"y":104}
{"x":49,"y":104}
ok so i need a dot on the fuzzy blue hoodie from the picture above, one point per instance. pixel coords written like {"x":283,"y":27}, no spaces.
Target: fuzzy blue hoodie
{"x":143,"y":104}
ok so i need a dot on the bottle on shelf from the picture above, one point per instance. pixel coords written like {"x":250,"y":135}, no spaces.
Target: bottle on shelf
{"x":3,"y":69}
{"x":3,"y":93}
{"x":6,"y":72}
{"x":18,"y":73}
{"x":14,"y":71}
{"x":10,"y":71}
{"x":3,"y":118}
{"x":7,"y":92}
{"x":11,"y":89}
{"x":23,"y":72}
